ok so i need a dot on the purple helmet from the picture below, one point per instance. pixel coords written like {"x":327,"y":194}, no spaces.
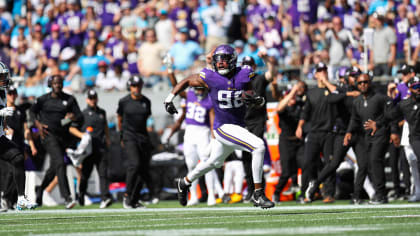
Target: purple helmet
{"x":224,"y":53}
{"x":342,"y":72}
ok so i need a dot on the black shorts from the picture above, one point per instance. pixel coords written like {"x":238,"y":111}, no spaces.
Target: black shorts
{"x":8,"y":149}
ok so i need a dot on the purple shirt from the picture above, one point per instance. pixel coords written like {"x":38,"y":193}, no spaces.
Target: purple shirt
{"x":116,"y":48}
{"x":225,"y":95}
{"x":197,"y":110}
{"x":269,"y":10}
{"x":254,"y":15}
{"x":402,"y":92}
{"x":401,"y":28}
{"x":53,"y":47}
{"x":303,"y":8}
{"x":271,"y":36}
{"x":73,"y":21}
{"x":108,"y":12}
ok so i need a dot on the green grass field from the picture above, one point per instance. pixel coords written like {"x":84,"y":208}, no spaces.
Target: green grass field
{"x":169,"y":219}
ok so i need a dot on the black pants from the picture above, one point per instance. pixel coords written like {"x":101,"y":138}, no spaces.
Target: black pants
{"x":99,"y":159}
{"x":316,"y":142}
{"x":339,"y":153}
{"x":55,"y":147}
{"x":138,"y":161}
{"x":10,"y":153}
{"x":376,"y":150}
{"x":258,"y":129}
{"x":289,"y":152}
{"x":398,"y":164}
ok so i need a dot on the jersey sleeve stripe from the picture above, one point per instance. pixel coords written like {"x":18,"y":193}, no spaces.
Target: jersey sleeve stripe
{"x":202,"y":75}
{"x":234,"y":140}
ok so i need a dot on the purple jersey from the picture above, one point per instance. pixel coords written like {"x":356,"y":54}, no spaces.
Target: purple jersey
{"x":254,"y":15}
{"x":271,"y":10}
{"x":225,"y":95}
{"x":116,"y":48}
{"x":108,"y":11}
{"x":132,"y":63}
{"x":53,"y":47}
{"x":197,"y":110}
{"x":271,"y":36}
{"x":401,"y":28}
{"x":303,"y":8}
{"x":73,"y":21}
{"x":414,"y":34}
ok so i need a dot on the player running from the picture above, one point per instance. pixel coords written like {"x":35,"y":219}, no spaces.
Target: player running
{"x":229,"y":89}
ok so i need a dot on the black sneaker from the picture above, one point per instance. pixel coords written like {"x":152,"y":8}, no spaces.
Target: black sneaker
{"x":356,"y":201}
{"x":38,"y":192}
{"x":182,"y":189}
{"x":137,"y":205}
{"x":378,"y":200}
{"x":260,"y":200}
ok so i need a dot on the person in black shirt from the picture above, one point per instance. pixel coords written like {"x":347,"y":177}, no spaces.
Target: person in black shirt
{"x":370,"y":110}
{"x":16,"y":129}
{"x":9,"y":151}
{"x":133,"y":111}
{"x":346,"y":91}
{"x":410,"y":110}
{"x":290,"y":146}
{"x":95,"y":119}
{"x":256,"y":117}
{"x":54,"y":112}
{"x":320,"y":111}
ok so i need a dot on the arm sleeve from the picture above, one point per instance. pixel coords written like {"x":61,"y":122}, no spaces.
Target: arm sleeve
{"x":75,"y":109}
{"x":120,"y":108}
{"x":36,"y":108}
{"x":306,"y":110}
{"x":354,"y":120}
{"x":336,"y":97}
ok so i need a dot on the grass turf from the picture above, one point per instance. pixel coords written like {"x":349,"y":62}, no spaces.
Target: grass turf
{"x":169,"y":219}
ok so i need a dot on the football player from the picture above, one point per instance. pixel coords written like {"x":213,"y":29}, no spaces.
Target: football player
{"x":9,"y":151}
{"x":226,"y":84}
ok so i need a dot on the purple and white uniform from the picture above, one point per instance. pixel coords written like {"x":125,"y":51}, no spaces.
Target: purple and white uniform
{"x":115,"y":47}
{"x":53,"y":47}
{"x":401,"y":28}
{"x":228,"y":126}
{"x":73,"y":20}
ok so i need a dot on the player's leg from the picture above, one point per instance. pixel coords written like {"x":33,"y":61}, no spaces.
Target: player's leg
{"x":133,"y":175}
{"x":238,"y":178}
{"x":237,"y":137}
{"x":10,"y":153}
{"x":87,"y":167}
{"x":191,"y":160}
{"x":102,"y":168}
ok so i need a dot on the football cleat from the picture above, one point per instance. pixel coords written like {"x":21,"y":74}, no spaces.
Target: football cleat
{"x":235,"y":198}
{"x":69,"y":203}
{"x":23,"y":203}
{"x":328,"y":199}
{"x":260,"y":200}
{"x":182,"y":189}
{"x":105,"y":203}
{"x":378,"y":200}
{"x":193,"y":202}
{"x":310,"y":191}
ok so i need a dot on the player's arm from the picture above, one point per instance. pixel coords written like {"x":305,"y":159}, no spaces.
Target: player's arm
{"x":177,"y":124}
{"x":191,"y":81}
{"x":75,"y":132}
{"x":283,"y":102}
{"x":174,"y":82}
{"x":211,"y":118}
{"x":271,"y":72}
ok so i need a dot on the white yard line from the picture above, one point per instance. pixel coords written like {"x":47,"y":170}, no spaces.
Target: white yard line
{"x":236,"y":209}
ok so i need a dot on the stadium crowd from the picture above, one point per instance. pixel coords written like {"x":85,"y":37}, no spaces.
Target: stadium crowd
{"x":117,"y":45}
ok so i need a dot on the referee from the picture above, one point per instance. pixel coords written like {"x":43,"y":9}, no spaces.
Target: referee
{"x":133,"y":111}
{"x":54,"y":112}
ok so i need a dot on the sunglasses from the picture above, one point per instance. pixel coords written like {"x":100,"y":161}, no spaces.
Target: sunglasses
{"x":363,"y":82}
{"x":415,"y":86}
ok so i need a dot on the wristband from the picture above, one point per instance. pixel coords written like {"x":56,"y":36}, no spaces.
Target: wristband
{"x":170,"y":98}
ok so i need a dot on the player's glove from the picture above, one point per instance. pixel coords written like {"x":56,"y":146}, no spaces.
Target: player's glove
{"x":252,"y":100}
{"x":170,"y":108}
{"x":7,"y":111}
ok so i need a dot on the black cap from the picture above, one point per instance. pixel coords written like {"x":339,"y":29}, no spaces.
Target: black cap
{"x":11,"y":90}
{"x":405,"y":69}
{"x":320,"y":66}
{"x":413,"y":81}
{"x":91,"y":94}
{"x":248,"y":60}
{"x":135,"y":80}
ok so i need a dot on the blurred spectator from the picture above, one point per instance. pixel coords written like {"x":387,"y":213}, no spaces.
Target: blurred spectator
{"x":338,"y":39}
{"x":164,"y":30}
{"x":401,"y":29}
{"x":253,"y":16}
{"x":150,"y":57}
{"x":239,"y":48}
{"x":26,"y":61}
{"x":181,"y":17}
{"x":115,"y":47}
{"x":53,"y":44}
{"x":184,"y":51}
{"x":251,"y":49}
{"x":131,"y":52}
{"x":5,"y":15}
{"x":72,"y":20}
{"x":384,"y":47}
{"x":88,"y":66}
{"x":218,"y":18}
{"x":413,"y":40}
{"x":90,"y":20}
{"x":128,"y":22}
{"x":270,"y":33}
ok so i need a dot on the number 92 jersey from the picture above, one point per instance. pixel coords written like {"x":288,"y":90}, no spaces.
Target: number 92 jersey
{"x":226,"y":94}
{"x":197,"y":110}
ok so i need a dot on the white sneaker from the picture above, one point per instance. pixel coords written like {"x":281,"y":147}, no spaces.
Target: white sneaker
{"x":211,"y":200}
{"x":3,"y":205}
{"x":193,"y":202}
{"x":105,"y":203}
{"x":155,"y":200}
{"x":23,"y":203}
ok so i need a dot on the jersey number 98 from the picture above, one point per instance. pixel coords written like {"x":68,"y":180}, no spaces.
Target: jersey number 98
{"x":229,"y":99}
